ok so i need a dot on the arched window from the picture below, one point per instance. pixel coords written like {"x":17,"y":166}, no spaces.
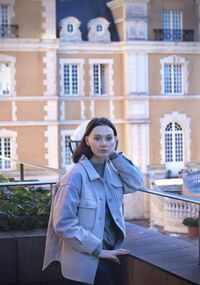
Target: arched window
{"x":173,"y":143}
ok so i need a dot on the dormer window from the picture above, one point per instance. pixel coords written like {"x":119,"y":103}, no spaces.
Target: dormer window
{"x":69,"y":30}
{"x":98,"y":30}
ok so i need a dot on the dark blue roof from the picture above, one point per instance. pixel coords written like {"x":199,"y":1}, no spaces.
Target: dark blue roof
{"x":84,"y":11}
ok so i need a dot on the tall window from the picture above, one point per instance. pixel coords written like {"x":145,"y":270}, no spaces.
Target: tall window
{"x":99,"y":79}
{"x":70,"y":79}
{"x":5,"y":79}
{"x":5,"y":150}
{"x":173,"y":143}
{"x":172,"y":25}
{"x":173,"y":79}
{"x":67,"y":151}
{"x":4,"y":20}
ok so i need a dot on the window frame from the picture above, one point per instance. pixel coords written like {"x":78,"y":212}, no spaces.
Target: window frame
{"x":12,"y":136}
{"x":175,"y":60}
{"x":5,"y":59}
{"x":108,"y":65}
{"x":80,"y":87}
{"x":64,"y":134}
{"x":172,"y":33}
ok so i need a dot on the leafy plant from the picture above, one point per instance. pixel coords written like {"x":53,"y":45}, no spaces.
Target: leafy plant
{"x":191,"y":221}
{"x":24,"y":208}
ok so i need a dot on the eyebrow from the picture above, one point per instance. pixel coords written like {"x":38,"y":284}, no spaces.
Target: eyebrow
{"x":103,"y":135}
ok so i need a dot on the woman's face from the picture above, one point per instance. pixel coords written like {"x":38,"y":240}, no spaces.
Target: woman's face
{"x":102,"y":142}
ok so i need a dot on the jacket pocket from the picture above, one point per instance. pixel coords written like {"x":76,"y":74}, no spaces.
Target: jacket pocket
{"x":87,"y":213}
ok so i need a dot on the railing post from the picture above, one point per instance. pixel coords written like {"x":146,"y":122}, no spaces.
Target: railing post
{"x":21,"y":166}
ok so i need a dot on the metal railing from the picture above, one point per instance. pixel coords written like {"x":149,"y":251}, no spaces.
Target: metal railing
{"x":173,"y":35}
{"x":144,"y":190}
{"x":9,"y":31}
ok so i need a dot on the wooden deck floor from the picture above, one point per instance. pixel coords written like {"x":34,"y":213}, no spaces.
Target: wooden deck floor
{"x":175,"y":256}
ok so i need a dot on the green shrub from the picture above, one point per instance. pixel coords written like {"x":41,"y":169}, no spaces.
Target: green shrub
{"x":24,"y":208}
{"x":192,"y":222}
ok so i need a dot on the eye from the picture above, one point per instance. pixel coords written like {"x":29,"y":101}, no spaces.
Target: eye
{"x":110,"y":138}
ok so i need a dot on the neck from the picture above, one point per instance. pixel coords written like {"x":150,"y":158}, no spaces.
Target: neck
{"x":97,"y":159}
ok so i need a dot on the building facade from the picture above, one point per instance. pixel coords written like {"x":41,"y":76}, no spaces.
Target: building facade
{"x":134,"y":61}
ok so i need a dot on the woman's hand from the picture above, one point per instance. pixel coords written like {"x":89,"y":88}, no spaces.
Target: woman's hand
{"x":112,"y":254}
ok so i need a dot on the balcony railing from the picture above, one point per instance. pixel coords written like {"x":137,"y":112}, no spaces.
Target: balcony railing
{"x":174,"y":35}
{"x":9,"y":31}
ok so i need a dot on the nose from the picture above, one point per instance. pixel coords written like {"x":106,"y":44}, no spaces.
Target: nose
{"x":103,"y":142}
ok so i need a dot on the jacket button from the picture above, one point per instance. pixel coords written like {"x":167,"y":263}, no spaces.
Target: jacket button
{"x":109,"y":200}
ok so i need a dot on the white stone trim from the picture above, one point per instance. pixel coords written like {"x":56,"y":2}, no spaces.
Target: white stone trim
{"x":81,"y":83}
{"x":51,"y":109}
{"x":11,"y":60}
{"x":62,"y":111}
{"x":75,"y":35}
{"x":112,"y":110}
{"x":63,"y":134}
{"x":110,"y":74}
{"x":136,"y":73}
{"x":50,"y":71}
{"x":4,"y":133}
{"x":51,"y":146}
{"x":92,"y":111}
{"x":175,"y":59}
{"x":49,"y":15}
{"x":101,"y":36}
{"x":14,"y":111}
{"x":138,"y":144}
{"x":83,"y":110}
{"x":184,"y":121}
{"x":138,"y":109}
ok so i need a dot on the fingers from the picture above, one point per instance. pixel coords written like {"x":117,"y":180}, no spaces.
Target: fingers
{"x":122,"y":251}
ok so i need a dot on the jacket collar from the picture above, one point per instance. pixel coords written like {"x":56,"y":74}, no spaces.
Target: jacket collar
{"x":91,"y":172}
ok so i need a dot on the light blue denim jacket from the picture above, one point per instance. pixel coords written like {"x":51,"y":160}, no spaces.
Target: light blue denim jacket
{"x":76,"y":223}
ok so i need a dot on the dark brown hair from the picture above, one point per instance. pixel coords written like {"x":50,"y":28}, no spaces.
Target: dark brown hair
{"x":83,"y":148}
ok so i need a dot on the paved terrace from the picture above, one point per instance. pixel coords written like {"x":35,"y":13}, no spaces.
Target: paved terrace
{"x":156,"y":259}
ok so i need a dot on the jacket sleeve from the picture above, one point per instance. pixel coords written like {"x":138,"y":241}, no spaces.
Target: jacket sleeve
{"x":65,"y":218}
{"x":129,"y":174}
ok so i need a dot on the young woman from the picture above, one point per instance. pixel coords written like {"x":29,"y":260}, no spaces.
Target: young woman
{"x":86,"y":225}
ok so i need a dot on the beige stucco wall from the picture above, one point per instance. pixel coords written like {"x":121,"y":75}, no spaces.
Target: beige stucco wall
{"x":30,"y":111}
{"x":29,"y":75}
{"x":31,"y":144}
{"x":29,"y":18}
{"x":5,"y":111}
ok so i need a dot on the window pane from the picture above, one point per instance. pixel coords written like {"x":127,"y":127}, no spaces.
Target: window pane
{"x":4,"y":21}
{"x":177,"y":78}
{"x":172,"y":25}
{"x":167,"y":79}
{"x":5,"y":78}
{"x":5,"y":150}
{"x":70,"y":79}
{"x":173,"y":143}
{"x":99,"y":79}
{"x":168,"y":148}
{"x":68,"y":159}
